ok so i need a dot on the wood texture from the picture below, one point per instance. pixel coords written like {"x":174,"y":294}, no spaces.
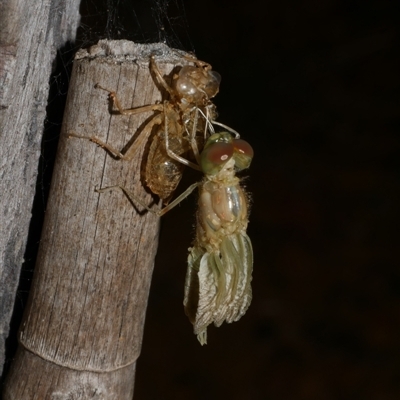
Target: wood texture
{"x":30,"y":34}
{"x":87,"y":307}
{"x":60,"y":383}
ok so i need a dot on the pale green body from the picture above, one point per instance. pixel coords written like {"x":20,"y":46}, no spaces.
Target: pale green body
{"x":220,"y":262}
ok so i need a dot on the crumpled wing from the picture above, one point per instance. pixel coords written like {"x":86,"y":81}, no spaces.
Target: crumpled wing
{"x":218,"y":285}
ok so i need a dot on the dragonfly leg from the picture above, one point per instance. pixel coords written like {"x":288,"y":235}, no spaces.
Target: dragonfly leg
{"x":132,"y":149}
{"x":134,"y":199}
{"x":128,"y":111}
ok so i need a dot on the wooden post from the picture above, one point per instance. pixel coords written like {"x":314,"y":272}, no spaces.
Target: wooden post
{"x":30,"y":34}
{"x":82,"y":331}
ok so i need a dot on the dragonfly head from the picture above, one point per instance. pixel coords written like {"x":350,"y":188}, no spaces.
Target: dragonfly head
{"x":220,"y":148}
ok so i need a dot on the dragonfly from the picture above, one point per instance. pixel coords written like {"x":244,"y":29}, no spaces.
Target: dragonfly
{"x":220,"y":261}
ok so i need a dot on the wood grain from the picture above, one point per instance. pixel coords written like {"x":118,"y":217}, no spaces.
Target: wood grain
{"x":30,"y":34}
{"x":87,"y":308}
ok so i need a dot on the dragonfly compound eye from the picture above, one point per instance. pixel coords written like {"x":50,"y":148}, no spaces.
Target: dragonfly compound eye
{"x":243,"y":154}
{"x":215,"y":156}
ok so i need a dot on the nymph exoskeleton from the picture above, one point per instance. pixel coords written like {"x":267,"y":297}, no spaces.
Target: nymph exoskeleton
{"x":183,"y":124}
{"x":220,"y":263}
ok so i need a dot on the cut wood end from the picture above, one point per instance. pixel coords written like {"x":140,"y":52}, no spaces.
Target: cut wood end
{"x":123,"y":50}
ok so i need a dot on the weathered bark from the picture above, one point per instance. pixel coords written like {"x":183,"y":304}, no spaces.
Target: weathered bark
{"x":82,"y":331}
{"x":30,"y":34}
{"x":59,"y":383}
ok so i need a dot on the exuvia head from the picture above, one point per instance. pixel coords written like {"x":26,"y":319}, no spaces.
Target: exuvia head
{"x":196,"y":85}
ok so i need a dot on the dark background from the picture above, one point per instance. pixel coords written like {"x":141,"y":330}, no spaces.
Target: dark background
{"x":314,"y":87}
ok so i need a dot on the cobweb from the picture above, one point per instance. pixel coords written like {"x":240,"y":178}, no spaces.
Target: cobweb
{"x":143,"y":21}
